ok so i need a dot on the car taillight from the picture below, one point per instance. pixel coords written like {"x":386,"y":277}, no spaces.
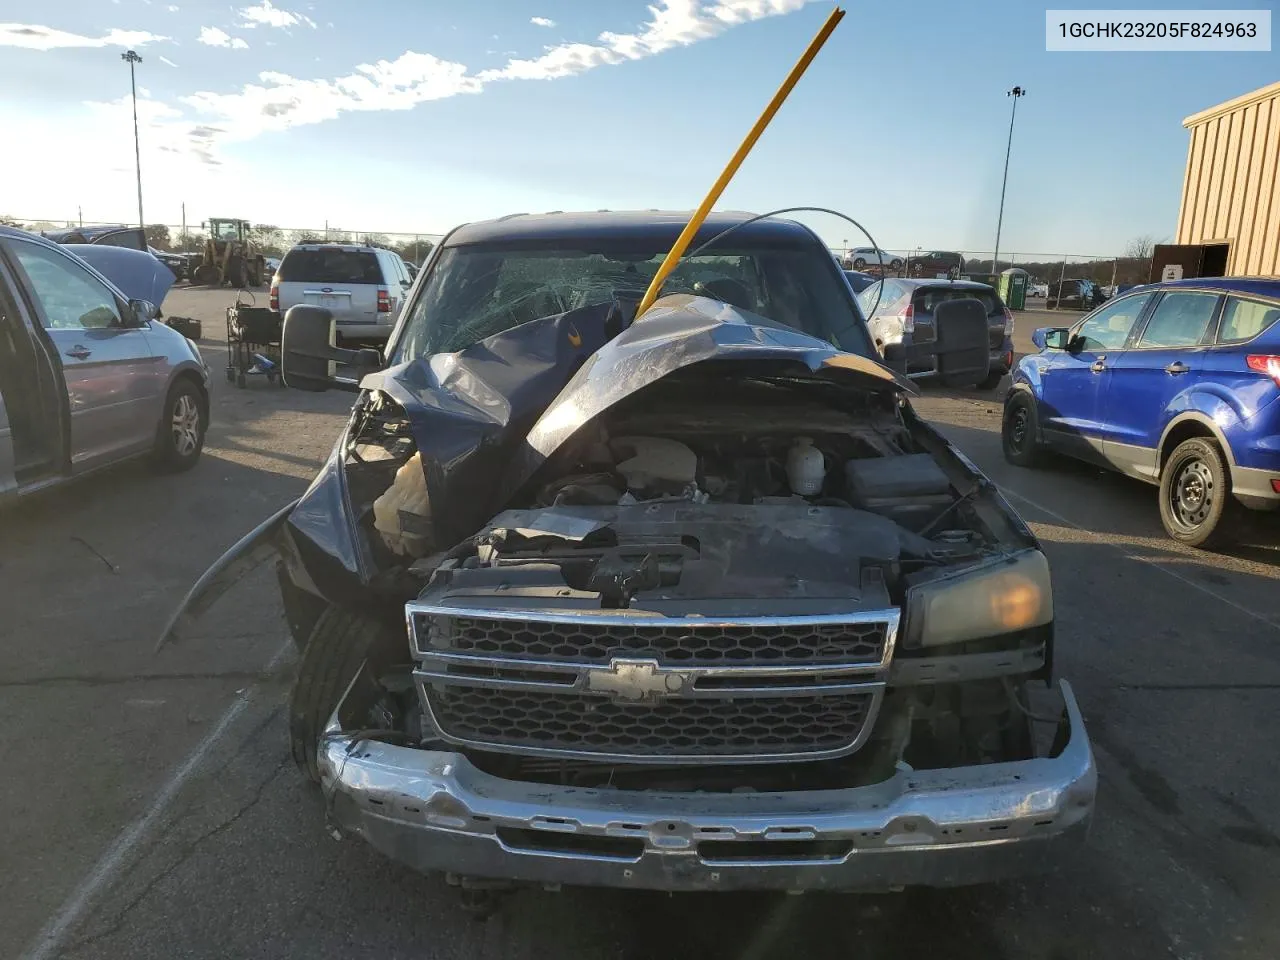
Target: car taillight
{"x":909,"y":319}
{"x":1265,"y":363}
{"x":275,"y":299}
{"x":1008,"y":321}
{"x":384,"y":301}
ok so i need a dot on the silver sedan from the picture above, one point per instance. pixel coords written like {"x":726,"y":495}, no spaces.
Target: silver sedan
{"x":88,"y":375}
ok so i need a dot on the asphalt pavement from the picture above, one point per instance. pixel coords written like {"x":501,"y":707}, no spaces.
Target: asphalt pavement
{"x":149,"y":808}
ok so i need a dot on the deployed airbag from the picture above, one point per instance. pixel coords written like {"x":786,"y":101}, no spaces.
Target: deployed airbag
{"x":402,"y":515}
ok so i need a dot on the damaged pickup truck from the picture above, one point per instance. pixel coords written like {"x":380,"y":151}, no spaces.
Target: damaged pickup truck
{"x":686,"y":601}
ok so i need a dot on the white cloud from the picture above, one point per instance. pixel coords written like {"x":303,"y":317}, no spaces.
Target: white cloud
{"x":34,"y":37}
{"x":277,"y":101}
{"x":265,"y":14}
{"x":171,"y":8}
{"x":542,"y":22}
{"x":673,"y":23}
{"x":166,"y":60}
{"x":213,"y":37}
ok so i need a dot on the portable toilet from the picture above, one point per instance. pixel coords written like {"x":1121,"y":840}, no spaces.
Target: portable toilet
{"x":1013,"y":288}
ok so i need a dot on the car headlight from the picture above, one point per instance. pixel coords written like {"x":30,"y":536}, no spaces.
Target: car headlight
{"x":999,"y":597}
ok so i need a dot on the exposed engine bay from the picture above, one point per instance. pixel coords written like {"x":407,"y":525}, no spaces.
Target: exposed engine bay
{"x":751,"y":444}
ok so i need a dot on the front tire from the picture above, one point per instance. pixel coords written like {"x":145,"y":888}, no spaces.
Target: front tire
{"x":1195,"y":494}
{"x":183,"y":424}
{"x":339,"y":644}
{"x":859,"y":264}
{"x":1018,"y":431}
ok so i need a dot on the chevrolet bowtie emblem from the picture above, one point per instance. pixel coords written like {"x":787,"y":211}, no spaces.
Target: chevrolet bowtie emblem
{"x":636,"y":680}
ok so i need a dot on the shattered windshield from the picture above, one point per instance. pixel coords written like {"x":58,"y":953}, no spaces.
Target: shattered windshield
{"x":477,"y":291}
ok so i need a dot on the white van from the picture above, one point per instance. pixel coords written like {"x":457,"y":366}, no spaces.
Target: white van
{"x":363,"y":286}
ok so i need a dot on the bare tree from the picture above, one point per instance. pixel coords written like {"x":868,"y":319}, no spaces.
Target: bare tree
{"x":269,"y":238}
{"x":1141,"y":248}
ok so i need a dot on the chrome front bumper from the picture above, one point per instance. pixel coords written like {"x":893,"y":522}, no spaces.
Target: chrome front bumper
{"x":434,"y":810}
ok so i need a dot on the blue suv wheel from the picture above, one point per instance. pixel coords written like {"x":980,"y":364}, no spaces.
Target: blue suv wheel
{"x":1195,"y":494}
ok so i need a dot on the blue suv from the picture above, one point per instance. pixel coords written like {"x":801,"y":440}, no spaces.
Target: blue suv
{"x":1173,"y":383}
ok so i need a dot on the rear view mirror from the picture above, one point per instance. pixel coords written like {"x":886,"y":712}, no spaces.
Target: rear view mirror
{"x":309,"y":359}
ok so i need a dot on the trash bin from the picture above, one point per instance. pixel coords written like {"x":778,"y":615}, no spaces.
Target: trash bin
{"x":1013,"y":288}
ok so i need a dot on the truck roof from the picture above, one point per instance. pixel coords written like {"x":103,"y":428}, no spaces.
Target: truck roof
{"x":660,"y":227}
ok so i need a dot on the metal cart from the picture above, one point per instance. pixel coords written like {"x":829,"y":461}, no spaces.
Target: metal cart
{"x":253,"y":343}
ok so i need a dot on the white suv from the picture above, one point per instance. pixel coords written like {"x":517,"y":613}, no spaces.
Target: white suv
{"x":363,"y":286}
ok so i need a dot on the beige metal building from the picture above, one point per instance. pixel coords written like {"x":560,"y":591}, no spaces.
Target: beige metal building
{"x":1231,"y":191}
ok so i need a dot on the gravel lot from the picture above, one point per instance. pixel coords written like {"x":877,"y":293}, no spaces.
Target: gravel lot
{"x":149,"y":808}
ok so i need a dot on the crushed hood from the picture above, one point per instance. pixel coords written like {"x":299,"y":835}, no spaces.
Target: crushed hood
{"x":486,"y":418}
{"x":135,"y":273}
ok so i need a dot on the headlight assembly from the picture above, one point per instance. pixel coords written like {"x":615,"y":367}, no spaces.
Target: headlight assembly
{"x":1012,"y":593}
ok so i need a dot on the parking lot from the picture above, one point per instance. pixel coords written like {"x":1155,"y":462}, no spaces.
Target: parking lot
{"x":149,"y":807}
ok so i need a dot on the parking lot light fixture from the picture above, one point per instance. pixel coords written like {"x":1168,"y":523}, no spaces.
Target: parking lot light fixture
{"x":132,"y":58}
{"x":1016,"y":92}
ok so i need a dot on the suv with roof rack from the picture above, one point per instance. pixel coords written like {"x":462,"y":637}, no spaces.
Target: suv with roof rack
{"x":362,"y":286}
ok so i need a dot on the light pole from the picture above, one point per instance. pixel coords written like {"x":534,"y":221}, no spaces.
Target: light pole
{"x":133,"y":58}
{"x":1016,"y":92}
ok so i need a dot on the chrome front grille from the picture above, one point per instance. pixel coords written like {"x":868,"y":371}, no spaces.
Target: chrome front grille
{"x":638,"y":688}
{"x":720,"y":727}
{"x":682,"y":641}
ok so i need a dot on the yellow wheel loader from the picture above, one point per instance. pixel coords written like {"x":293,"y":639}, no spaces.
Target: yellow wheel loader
{"x":229,"y":256}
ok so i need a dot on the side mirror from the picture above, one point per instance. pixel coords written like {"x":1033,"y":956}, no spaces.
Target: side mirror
{"x":1052,"y":338}
{"x":309,"y":359}
{"x":963,"y":349}
{"x":143,"y":311}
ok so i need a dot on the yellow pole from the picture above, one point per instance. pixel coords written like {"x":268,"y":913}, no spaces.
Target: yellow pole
{"x":709,"y":201}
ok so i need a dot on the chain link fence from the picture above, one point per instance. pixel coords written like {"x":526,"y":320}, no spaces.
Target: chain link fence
{"x":272,"y":240}
{"x":1106,"y":270}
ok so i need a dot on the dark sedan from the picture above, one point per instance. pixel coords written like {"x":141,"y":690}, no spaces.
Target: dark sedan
{"x":1074,"y":295}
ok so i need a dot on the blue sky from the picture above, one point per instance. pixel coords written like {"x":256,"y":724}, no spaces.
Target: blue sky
{"x":404,"y":116}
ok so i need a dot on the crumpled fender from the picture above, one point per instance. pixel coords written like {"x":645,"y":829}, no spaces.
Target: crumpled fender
{"x":248,"y":553}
